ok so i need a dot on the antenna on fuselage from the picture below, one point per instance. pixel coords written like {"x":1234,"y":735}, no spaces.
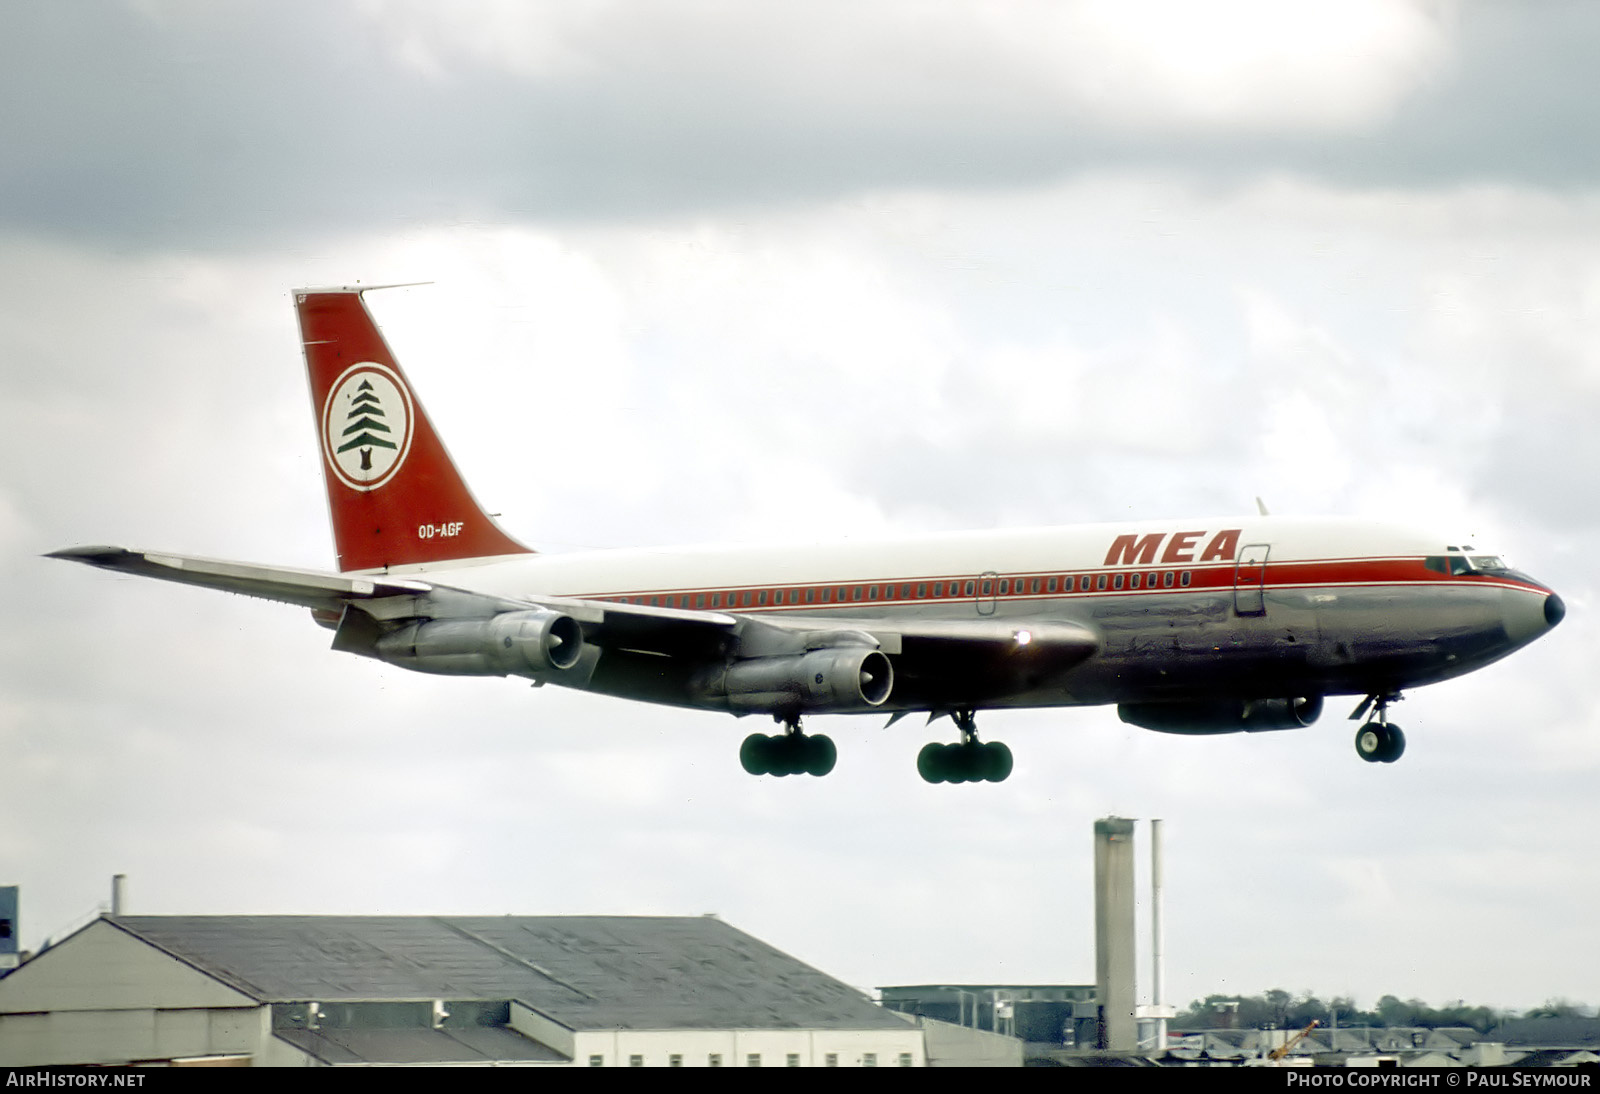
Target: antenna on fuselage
{"x":1261,"y":506}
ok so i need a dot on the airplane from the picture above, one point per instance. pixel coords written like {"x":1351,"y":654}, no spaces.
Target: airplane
{"x":1216,"y":625}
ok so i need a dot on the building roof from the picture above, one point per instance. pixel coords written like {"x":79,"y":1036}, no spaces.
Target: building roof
{"x":583,"y":972}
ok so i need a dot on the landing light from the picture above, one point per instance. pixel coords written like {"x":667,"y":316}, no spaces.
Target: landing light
{"x":1023,"y":637}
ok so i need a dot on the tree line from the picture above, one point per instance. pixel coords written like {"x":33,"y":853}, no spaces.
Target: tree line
{"x":1278,"y":1008}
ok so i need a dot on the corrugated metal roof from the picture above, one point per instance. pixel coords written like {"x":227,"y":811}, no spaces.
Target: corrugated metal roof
{"x":585,"y":972}
{"x":485,"y":1045}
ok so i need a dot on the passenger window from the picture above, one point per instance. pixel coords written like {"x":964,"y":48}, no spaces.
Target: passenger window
{"x":1050,"y":586}
{"x":1116,"y":582}
{"x":1083,"y":583}
{"x":922,"y":591}
{"x":699,"y":600}
{"x":872,"y":593}
{"x":969,"y":588}
{"x":1100,"y":582}
{"x":761,"y":598}
{"x":988,"y":588}
{"x":1184,"y":579}
{"x":1035,"y":587}
{"x":1005,"y":586}
{"x":938,"y":588}
{"x":1133,"y":581}
{"x":1166,"y":579}
{"x":826,"y":595}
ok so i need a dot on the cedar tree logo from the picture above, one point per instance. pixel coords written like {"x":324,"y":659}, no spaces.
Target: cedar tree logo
{"x":366,"y":426}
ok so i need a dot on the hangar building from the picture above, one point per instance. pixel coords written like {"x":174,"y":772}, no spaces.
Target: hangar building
{"x":509,"y":990}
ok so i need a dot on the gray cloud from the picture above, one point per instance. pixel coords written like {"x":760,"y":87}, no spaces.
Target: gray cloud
{"x":227,"y":127}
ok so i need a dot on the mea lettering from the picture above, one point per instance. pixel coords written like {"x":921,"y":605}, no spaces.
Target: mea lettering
{"x":1132,"y":550}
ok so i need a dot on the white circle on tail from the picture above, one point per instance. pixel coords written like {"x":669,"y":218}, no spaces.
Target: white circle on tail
{"x":366,"y":425}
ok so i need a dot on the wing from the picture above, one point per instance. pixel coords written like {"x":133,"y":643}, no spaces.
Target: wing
{"x":368,"y":611}
{"x":666,"y":654}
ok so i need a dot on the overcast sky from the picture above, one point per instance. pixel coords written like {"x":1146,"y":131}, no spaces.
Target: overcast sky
{"x":710,"y":271}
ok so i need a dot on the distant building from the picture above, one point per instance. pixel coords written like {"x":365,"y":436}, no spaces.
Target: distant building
{"x":512,"y":990}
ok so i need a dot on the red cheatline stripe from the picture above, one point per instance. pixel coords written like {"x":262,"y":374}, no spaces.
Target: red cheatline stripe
{"x":1297,"y":574}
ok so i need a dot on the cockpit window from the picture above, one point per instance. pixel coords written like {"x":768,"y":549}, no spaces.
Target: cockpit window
{"x":1489,"y":562}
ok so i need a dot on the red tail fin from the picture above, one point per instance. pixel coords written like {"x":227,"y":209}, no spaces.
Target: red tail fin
{"x":395,"y":496}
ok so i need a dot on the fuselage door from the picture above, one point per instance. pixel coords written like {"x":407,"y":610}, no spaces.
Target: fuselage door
{"x":988,"y":581}
{"x":1250,"y":579}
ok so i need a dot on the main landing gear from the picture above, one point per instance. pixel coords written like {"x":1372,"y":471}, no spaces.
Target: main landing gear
{"x":968,"y":762}
{"x":1378,"y":741}
{"x":791,"y":752}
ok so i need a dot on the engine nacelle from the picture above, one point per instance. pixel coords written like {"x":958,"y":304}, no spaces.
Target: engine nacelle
{"x":509,"y":644}
{"x":1223,"y":715}
{"x":820,"y":682}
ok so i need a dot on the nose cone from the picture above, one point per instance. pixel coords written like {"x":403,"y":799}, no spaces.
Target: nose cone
{"x":1527,"y":614}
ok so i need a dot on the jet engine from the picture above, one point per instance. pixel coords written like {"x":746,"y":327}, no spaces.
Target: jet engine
{"x":509,"y":644}
{"x":1222,"y":715}
{"x":822,"y":681}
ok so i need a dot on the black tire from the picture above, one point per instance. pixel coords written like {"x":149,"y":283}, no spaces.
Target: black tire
{"x":821,"y":755}
{"x":1395,"y":747}
{"x":754,"y":755}
{"x":1371,"y":740}
{"x":931,"y":763}
{"x":998,"y":762}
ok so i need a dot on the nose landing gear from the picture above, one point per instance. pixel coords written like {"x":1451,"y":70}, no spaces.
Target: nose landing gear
{"x":1379,"y":741}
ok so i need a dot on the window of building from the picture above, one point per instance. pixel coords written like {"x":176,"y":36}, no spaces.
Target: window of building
{"x":675,"y":1060}
{"x":714,"y":1060}
{"x":635,"y":1061}
{"x":597,"y":1061}
{"x":831,"y":1060}
{"x":753,"y":1060}
{"x":905,"y":1059}
{"x":869,"y":1059}
{"x":792,"y":1060}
